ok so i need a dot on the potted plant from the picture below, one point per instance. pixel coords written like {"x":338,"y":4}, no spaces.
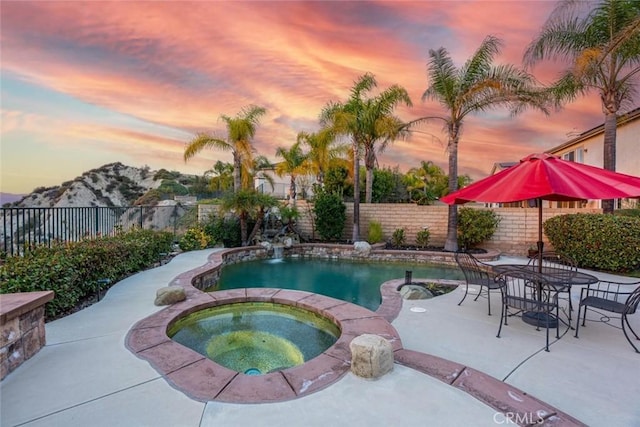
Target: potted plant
{"x":532,"y":252}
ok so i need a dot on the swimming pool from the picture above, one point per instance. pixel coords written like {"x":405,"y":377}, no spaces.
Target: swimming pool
{"x":352,"y":281}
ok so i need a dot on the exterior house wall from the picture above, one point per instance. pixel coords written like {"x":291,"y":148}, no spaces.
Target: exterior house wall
{"x":592,"y":144}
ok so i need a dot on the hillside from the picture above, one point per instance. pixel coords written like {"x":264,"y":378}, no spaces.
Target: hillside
{"x":113,"y":184}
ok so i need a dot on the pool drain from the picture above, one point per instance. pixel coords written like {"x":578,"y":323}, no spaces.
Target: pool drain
{"x":252,"y":371}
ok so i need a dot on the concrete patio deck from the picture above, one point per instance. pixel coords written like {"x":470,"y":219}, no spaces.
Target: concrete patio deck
{"x":85,"y":376}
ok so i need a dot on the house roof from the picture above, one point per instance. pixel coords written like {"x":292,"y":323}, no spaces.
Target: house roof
{"x":498,"y":166}
{"x":622,"y":120}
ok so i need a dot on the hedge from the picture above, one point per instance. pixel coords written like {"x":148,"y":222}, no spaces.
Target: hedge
{"x":72,"y":269}
{"x":597,"y":241}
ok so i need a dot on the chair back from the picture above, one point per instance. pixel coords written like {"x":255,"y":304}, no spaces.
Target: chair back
{"x":555,"y":260}
{"x":474,"y":271}
{"x":519,"y":290}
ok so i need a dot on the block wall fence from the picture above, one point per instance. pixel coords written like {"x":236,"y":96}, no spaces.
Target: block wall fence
{"x":518,"y":228}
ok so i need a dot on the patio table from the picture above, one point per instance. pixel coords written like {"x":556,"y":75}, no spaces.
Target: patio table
{"x":558,"y":277}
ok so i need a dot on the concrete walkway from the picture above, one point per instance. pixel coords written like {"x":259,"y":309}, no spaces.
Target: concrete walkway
{"x":85,"y":376}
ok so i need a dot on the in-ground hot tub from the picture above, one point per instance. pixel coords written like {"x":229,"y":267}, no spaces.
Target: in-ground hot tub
{"x":202,"y":379}
{"x":256,"y":338}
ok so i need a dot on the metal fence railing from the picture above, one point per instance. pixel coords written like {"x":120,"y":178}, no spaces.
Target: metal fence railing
{"x":21,"y":228}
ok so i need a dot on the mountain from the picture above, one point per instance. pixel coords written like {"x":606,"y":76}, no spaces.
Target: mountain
{"x":10,"y":198}
{"x":113,"y":184}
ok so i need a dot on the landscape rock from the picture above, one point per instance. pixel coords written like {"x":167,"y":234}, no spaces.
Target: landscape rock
{"x":371,"y":356}
{"x":170,"y":295}
{"x":362,"y":249}
{"x":415,"y":292}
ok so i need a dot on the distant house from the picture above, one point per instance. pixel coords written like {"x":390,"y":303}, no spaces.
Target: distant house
{"x":588,"y":148}
{"x":268,"y":182}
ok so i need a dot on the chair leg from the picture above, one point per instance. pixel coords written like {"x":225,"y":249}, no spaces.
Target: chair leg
{"x":488,"y":300}
{"x":466,"y":291}
{"x":503,"y":316}
{"x":626,"y":321}
{"x":578,"y":319}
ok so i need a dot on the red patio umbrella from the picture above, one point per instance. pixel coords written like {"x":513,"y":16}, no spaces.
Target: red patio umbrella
{"x":547,"y":177}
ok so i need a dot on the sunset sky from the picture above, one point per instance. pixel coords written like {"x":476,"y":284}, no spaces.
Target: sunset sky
{"x":89,"y":83}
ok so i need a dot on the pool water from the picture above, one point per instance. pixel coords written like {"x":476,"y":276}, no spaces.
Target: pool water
{"x":351,"y":281}
{"x":256,"y":337}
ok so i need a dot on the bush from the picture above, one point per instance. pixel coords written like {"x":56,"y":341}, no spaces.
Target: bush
{"x":225,"y":230}
{"x":72,"y":269}
{"x":599,"y":241}
{"x":329,"y":215}
{"x":374,"y":234}
{"x":422,"y":238}
{"x":397,"y":238}
{"x":194,"y":239}
{"x":476,"y":226}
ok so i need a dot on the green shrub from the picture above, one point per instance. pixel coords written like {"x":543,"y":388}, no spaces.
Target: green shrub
{"x":422,"y":238}
{"x":628,"y":212}
{"x":397,"y":238}
{"x":72,"y":269}
{"x":374,"y":235}
{"x":599,"y":241}
{"x":225,"y":230}
{"x":194,"y":239}
{"x":329,"y":215}
{"x":476,"y":226}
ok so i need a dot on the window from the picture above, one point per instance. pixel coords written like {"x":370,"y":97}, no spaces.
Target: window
{"x":576,"y":155}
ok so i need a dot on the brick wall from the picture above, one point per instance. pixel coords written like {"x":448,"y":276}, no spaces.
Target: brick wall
{"x":518,"y":227}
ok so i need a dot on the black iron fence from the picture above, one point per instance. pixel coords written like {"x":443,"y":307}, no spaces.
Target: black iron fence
{"x":23,"y":227}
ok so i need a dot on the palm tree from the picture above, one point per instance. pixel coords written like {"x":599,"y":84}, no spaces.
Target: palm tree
{"x":367,"y":121}
{"x":247,"y":204}
{"x":240,"y":130}
{"x":324,"y":152}
{"x":476,"y":87}
{"x":427,"y":178}
{"x":602,"y":47}
{"x":223,"y":176}
{"x":293,"y":164}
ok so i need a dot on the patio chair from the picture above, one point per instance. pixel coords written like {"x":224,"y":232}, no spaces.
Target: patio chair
{"x":555,"y":260}
{"x":519,"y":298}
{"x":478,"y":274}
{"x":611,"y":300}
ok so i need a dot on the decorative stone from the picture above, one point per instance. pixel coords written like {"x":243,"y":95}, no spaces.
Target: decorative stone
{"x":362,"y":249}
{"x":371,"y":356}
{"x":415,"y":292}
{"x":170,"y":295}
{"x":266,"y":245}
{"x":287,"y":242}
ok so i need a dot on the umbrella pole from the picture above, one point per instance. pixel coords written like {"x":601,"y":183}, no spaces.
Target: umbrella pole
{"x":540,"y":242}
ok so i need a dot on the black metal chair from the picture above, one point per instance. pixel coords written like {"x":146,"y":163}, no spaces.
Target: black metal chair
{"x":478,"y":274}
{"x":538,"y":308}
{"x":555,"y":260}
{"x":607,"y":298}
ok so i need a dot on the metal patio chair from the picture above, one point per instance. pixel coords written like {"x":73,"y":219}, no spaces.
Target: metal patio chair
{"x":540,"y":309}
{"x":477,"y":273}
{"x":611,"y":300}
{"x":555,"y":260}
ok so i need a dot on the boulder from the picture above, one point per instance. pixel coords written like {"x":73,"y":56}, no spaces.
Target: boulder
{"x":362,"y":249}
{"x":170,"y":295}
{"x":415,"y":292}
{"x":267,"y":245}
{"x":371,"y":356}
{"x":287,"y":242}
